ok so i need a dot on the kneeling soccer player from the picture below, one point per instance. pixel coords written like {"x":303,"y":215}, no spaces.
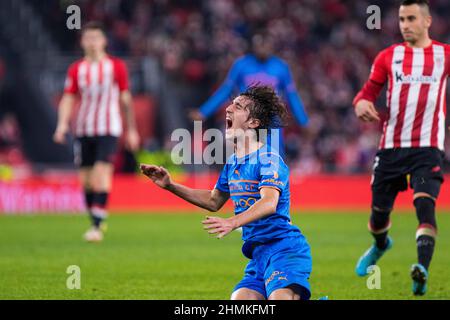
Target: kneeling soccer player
{"x":257,"y":180}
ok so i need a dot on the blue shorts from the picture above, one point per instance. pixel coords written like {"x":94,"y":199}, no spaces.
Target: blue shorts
{"x":284,"y":263}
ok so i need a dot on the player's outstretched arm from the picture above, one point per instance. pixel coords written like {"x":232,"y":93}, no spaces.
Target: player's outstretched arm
{"x":64,"y":111}
{"x":265,"y":206}
{"x":293,"y":97}
{"x":211,"y":200}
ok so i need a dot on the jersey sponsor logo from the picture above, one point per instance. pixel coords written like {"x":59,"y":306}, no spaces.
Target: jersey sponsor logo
{"x":245,"y":203}
{"x":243,"y":186}
{"x":401,"y":77}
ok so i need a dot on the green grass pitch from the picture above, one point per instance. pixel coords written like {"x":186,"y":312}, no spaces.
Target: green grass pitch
{"x":169,"y":256}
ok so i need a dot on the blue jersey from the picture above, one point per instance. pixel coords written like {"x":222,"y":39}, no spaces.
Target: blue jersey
{"x":248,"y":70}
{"x":243,"y":177}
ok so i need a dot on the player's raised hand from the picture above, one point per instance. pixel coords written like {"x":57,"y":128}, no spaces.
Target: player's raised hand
{"x":365,"y":111}
{"x":159,"y":175}
{"x":218,"y":226}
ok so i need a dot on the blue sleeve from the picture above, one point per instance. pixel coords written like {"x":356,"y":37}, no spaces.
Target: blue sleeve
{"x":222,"y":93}
{"x":222,"y":182}
{"x":274,"y":173}
{"x":293,"y":98}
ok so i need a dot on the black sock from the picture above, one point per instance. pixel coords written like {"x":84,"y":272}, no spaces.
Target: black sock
{"x":426,"y":232}
{"x":98,"y":211}
{"x":425,"y":248}
{"x":381,"y":240}
{"x":89,"y":199}
{"x":379,"y":225}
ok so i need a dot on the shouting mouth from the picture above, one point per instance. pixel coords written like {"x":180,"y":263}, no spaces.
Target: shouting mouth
{"x":229,"y":123}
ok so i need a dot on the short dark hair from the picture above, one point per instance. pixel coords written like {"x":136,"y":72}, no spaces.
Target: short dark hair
{"x":422,"y":3}
{"x":93,"y":25}
{"x":266,"y":106}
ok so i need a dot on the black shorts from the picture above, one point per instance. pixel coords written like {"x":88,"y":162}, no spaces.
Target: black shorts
{"x":89,"y":150}
{"x":421,"y":166}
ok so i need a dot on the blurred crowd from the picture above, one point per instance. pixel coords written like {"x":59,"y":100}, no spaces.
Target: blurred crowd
{"x":326,"y":43}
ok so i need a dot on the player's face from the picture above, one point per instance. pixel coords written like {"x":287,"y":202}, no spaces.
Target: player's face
{"x":238,"y":122}
{"x":262,"y":46}
{"x":93,"y":41}
{"x":414,"y":22}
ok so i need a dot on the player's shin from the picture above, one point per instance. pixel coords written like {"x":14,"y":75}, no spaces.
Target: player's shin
{"x":379,"y":225}
{"x":426,"y":231}
{"x":98,"y":210}
{"x":88,"y":199}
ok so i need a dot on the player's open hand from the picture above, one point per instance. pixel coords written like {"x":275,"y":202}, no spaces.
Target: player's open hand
{"x":159,"y":175}
{"x":365,"y":111}
{"x":218,"y":226}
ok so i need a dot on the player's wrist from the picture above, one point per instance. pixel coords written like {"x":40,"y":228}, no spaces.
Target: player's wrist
{"x":62,"y":128}
{"x":170,"y":186}
{"x":234,"y":222}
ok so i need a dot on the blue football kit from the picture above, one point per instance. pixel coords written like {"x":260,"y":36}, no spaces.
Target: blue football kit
{"x":279,"y":253}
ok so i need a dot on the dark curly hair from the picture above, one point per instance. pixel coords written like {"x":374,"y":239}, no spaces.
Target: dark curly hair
{"x":266,"y":106}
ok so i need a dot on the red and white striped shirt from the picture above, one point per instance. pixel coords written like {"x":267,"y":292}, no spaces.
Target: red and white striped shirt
{"x":99,"y":84}
{"x":417,"y":81}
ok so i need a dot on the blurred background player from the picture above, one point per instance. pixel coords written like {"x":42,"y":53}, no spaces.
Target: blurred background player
{"x":257,"y":180}
{"x":102,"y":82}
{"x":412,"y":144}
{"x":260,"y":66}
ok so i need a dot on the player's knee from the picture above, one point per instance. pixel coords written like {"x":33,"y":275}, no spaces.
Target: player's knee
{"x":425,"y":210}
{"x":284,"y":294}
{"x":246,"y":294}
{"x":383,"y":202}
{"x":381,"y":210}
{"x":379,"y":221}
{"x":424,"y":195}
{"x":101,"y":177}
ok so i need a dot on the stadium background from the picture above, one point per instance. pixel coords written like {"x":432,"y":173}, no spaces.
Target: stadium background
{"x":177,"y":53}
